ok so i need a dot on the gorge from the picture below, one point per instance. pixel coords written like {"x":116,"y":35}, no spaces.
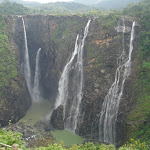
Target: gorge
{"x":85,"y":67}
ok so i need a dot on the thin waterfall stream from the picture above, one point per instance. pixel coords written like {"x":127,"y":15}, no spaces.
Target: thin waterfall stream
{"x":76,"y":64}
{"x":27,"y":69}
{"x":36,"y":88}
{"x":34,"y":91}
{"x":110,"y":107}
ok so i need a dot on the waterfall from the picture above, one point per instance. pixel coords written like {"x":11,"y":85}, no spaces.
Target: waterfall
{"x":64,"y":79}
{"x":76,"y":64}
{"x":110,"y":107}
{"x":36,"y":90}
{"x":27,"y":70}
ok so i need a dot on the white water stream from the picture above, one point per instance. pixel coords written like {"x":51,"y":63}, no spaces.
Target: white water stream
{"x":110,"y":107}
{"x":27,"y":70}
{"x":36,"y":89}
{"x":71,"y":118}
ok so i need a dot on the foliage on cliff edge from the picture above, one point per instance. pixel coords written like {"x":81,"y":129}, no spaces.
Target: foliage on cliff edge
{"x":140,"y":115}
{"x":8,"y":70}
{"x":10,"y":137}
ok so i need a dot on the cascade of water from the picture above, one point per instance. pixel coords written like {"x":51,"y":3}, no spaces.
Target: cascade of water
{"x":27,"y":70}
{"x":64,"y":79}
{"x":108,"y":117}
{"x":77,"y":86}
{"x":62,"y":98}
{"x":36,"y":90}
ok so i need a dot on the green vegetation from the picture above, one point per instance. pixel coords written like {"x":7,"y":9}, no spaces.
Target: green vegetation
{"x":109,"y":20}
{"x":134,"y":145}
{"x":86,"y":146}
{"x":59,"y":8}
{"x":140,"y":115}
{"x":62,"y":7}
{"x":7,"y":59}
{"x":12,"y":8}
{"x":67,"y":31}
{"x":107,"y":4}
{"x":10,"y":137}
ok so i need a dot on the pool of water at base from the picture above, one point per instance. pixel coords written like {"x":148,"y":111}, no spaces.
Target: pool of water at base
{"x":41,"y":110}
{"x":67,"y":137}
{"x":36,"y":112}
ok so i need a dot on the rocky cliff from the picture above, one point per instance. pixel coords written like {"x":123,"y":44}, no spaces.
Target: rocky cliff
{"x":104,"y":47}
{"x":56,"y":35}
{"x":14,"y":96}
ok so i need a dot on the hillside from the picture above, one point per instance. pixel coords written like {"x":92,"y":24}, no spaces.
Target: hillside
{"x":20,"y":7}
{"x":107,"y":4}
{"x":115,"y":4}
{"x":63,"y":7}
{"x":87,"y":2}
{"x":12,"y":8}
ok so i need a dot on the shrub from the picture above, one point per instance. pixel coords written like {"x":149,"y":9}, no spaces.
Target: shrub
{"x":135,"y":145}
{"x":10,"y":137}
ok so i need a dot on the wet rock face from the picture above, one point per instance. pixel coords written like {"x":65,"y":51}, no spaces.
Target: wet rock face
{"x":103,"y":47}
{"x":38,"y":36}
{"x":15,"y":99}
{"x":57,"y":121}
{"x":102,"y":50}
{"x":129,"y":95}
{"x":17,"y":102}
{"x":56,"y":38}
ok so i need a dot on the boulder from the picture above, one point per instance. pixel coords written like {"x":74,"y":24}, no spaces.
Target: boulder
{"x":57,"y":120}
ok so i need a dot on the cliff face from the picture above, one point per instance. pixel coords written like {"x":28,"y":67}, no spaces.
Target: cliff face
{"x":56,"y":37}
{"x":102,"y":51}
{"x":103,"y":47}
{"x":14,"y":96}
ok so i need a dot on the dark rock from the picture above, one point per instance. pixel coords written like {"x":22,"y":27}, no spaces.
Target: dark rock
{"x":48,"y":127}
{"x":44,"y":124}
{"x":57,"y":120}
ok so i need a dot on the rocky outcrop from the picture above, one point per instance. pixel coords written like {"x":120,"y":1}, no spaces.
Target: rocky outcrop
{"x":57,"y":120}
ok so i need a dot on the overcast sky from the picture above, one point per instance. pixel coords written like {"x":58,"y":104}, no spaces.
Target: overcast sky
{"x":48,"y":1}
